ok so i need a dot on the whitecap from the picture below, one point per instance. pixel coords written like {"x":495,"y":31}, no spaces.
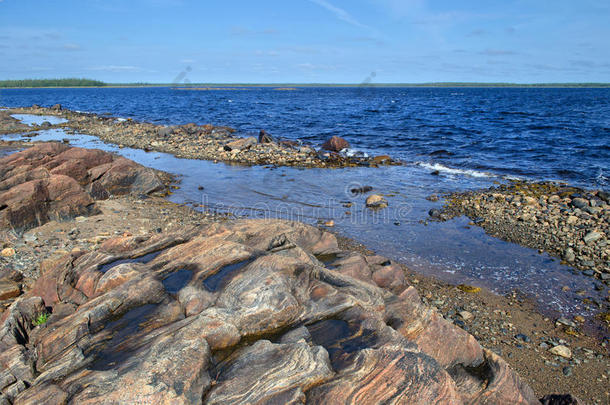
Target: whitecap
{"x":354,"y":153}
{"x":444,"y":169}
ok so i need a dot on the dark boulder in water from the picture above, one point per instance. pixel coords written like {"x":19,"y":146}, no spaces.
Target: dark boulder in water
{"x":265,"y":137}
{"x":441,"y":152}
{"x":361,"y":190}
{"x":435,"y":213}
{"x":335,"y":144}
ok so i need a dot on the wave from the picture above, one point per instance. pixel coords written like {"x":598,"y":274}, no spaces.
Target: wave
{"x":451,"y":170}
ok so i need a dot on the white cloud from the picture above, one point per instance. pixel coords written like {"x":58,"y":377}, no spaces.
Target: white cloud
{"x":310,"y":66}
{"x":340,"y":13}
{"x":115,"y":68}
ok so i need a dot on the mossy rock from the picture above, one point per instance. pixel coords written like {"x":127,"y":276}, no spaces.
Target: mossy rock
{"x":469,"y":288}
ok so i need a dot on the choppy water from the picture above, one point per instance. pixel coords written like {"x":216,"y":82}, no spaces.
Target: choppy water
{"x":561,"y":134}
{"x":451,"y":251}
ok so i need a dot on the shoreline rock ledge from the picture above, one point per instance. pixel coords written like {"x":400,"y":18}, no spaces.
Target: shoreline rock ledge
{"x":53,"y":181}
{"x":248,"y":311}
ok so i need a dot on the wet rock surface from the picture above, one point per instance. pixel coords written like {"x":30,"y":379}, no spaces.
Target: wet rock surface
{"x":193,"y":141}
{"x":52,"y":181}
{"x":295,"y":320}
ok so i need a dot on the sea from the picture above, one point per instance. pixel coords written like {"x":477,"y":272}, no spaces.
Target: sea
{"x":449,"y":139}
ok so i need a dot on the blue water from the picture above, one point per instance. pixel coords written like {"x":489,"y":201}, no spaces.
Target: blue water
{"x":479,"y":147}
{"x":557,"y":134}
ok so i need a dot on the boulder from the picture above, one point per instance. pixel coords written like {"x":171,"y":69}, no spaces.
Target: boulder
{"x":265,"y":137}
{"x":376,"y":201}
{"x":240,"y":144}
{"x":335,"y":144}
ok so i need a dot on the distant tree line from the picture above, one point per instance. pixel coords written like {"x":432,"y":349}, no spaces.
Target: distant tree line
{"x":73,"y":82}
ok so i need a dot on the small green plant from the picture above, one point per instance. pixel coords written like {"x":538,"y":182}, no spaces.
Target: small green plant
{"x":41,"y":319}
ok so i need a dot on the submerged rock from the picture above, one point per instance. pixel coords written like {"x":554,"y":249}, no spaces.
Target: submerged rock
{"x":376,"y":201}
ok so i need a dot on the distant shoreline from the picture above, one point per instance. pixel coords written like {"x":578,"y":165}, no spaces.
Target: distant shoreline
{"x":207,"y":86}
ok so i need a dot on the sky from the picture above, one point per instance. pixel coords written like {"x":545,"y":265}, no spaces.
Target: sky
{"x":307,"y":41}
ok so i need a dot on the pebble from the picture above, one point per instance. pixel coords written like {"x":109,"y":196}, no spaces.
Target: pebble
{"x":561,"y":351}
{"x":7,"y":252}
{"x":566,"y":322}
{"x":569,"y":255}
{"x":465,"y":315}
{"x":523,"y":337}
{"x":592,"y":237}
{"x":580,"y":203}
{"x":567,"y":371}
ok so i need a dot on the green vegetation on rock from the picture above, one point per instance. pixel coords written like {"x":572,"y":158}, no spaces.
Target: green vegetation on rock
{"x":41,"y":319}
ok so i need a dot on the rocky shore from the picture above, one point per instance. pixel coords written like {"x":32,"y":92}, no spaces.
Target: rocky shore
{"x":115,"y":295}
{"x":192,"y":141}
{"x":567,"y":222}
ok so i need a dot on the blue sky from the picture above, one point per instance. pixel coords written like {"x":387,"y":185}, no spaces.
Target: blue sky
{"x":331,"y":41}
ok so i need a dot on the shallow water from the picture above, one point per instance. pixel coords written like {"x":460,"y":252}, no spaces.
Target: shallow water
{"x":451,"y":251}
{"x":32,"y":120}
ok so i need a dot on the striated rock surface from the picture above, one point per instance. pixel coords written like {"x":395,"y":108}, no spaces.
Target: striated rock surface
{"x":53,"y":181}
{"x":243,"y":312}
